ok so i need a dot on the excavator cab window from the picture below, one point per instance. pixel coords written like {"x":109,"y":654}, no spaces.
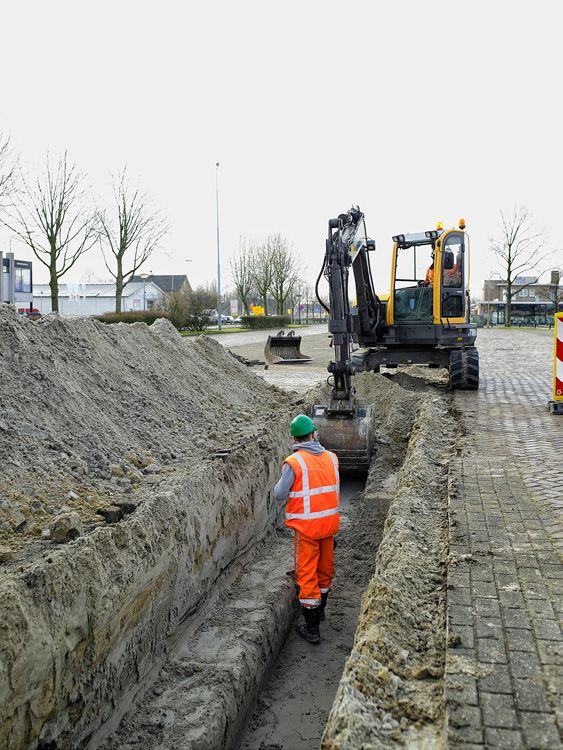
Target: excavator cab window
{"x":453,"y":278}
{"x":413,"y":300}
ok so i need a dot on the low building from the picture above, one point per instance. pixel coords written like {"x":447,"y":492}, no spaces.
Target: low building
{"x":97,"y":299}
{"x":16,"y":283}
{"x":168,"y":282}
{"x":533,"y":303}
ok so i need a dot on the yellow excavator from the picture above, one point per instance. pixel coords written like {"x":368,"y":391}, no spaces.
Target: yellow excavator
{"x":424,"y":320}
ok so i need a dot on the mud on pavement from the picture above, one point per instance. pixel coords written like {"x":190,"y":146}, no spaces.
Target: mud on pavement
{"x":164,"y":606}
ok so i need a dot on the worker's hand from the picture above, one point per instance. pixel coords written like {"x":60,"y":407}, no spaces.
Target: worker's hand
{"x":422,"y":283}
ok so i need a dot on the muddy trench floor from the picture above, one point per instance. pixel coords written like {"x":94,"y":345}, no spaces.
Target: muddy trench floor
{"x":293,"y":708}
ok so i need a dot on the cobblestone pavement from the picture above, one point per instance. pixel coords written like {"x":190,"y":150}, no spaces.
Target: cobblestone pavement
{"x":504,"y":667}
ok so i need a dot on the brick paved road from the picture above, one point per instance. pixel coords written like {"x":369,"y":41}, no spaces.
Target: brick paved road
{"x":504,"y":658}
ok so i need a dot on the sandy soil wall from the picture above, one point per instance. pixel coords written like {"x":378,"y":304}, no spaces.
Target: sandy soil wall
{"x":84,"y":622}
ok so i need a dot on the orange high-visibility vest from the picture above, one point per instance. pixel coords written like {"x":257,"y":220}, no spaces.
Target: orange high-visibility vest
{"x":430,"y":276}
{"x":314,"y":501}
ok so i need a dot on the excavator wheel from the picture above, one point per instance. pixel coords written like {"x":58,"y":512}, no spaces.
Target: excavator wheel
{"x":464,"y":369}
{"x":350,"y":437}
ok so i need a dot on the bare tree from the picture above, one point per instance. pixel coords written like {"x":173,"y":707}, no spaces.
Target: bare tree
{"x":243,"y":270}
{"x":285,"y":271}
{"x":53,"y":218}
{"x":518,"y":248}
{"x":8,"y":169}
{"x":133,"y":227}
{"x":176,"y":305}
{"x":92,"y":276}
{"x":202,"y":304}
{"x":263,"y":271}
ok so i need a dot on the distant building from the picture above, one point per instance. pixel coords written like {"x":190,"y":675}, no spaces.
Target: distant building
{"x":168,"y":283}
{"x":533,"y":303}
{"x":16,"y":283}
{"x":97,"y":299}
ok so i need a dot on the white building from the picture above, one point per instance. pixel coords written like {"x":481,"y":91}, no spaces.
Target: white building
{"x":96,"y":299}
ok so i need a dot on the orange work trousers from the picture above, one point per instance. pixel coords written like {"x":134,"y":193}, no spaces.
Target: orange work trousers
{"x":314,"y":567}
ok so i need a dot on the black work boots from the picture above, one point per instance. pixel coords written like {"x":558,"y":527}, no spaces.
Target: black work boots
{"x":310,"y":628}
{"x":324,"y":597}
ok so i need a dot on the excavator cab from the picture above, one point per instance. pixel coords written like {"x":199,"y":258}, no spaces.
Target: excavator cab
{"x":429,"y":278}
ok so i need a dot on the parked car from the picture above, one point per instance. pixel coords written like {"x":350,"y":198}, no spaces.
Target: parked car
{"x":213,"y":316}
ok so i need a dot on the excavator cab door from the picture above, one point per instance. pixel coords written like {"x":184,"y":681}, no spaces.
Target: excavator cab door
{"x":452,"y":302}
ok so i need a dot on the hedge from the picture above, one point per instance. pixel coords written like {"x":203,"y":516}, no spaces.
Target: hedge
{"x":139,"y":316}
{"x":265,"y":321}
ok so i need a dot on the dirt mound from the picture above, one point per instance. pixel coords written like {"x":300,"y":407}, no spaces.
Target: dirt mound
{"x":177,"y":443}
{"x":392,"y":686}
{"x":90,"y":413}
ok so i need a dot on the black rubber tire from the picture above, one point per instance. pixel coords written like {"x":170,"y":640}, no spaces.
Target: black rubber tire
{"x":456,"y":369}
{"x":464,"y":369}
{"x":470,"y":369}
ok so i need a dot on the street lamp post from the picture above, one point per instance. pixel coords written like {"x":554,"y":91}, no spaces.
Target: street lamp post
{"x":219,"y":311}
{"x":298,"y":298}
{"x":144,"y":277}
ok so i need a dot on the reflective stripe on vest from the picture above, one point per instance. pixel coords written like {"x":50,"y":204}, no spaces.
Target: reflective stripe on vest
{"x":306,"y":493}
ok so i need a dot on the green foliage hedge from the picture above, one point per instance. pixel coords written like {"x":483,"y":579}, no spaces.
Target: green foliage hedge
{"x":264,"y":321}
{"x":138,"y":316}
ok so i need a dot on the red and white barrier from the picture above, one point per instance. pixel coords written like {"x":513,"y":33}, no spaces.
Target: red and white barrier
{"x":556,"y":406}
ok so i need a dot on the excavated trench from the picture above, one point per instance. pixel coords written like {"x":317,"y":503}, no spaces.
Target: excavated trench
{"x":244,"y":679}
{"x":164,"y":627}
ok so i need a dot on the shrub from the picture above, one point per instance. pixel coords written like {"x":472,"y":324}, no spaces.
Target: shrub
{"x":263,"y":321}
{"x":137,"y":316}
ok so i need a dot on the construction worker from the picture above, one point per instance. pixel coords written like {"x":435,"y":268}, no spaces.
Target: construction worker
{"x":311,"y":482}
{"x":429,"y":280}
{"x":452,"y":277}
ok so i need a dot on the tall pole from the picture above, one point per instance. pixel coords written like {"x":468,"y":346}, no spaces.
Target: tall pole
{"x":219,"y":312}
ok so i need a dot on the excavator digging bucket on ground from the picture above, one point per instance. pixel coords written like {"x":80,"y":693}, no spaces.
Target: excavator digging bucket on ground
{"x":351,"y":437}
{"x":285,"y":350}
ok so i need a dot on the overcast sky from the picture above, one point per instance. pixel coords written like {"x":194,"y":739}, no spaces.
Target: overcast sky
{"x":418,"y":112}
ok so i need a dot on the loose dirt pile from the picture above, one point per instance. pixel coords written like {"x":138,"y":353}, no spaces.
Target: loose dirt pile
{"x":180,"y":443}
{"x":91,"y":414}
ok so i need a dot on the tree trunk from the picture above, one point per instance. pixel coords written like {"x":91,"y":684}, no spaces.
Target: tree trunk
{"x":118,"y":286}
{"x":54,"y":285}
{"x":118,"y":293}
{"x":508,"y":306}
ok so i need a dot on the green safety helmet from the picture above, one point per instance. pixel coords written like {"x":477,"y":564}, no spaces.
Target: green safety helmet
{"x":302,"y":425}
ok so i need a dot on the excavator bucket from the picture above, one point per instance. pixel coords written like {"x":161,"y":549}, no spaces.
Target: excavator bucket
{"x":282,"y":349}
{"x":350,"y":437}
